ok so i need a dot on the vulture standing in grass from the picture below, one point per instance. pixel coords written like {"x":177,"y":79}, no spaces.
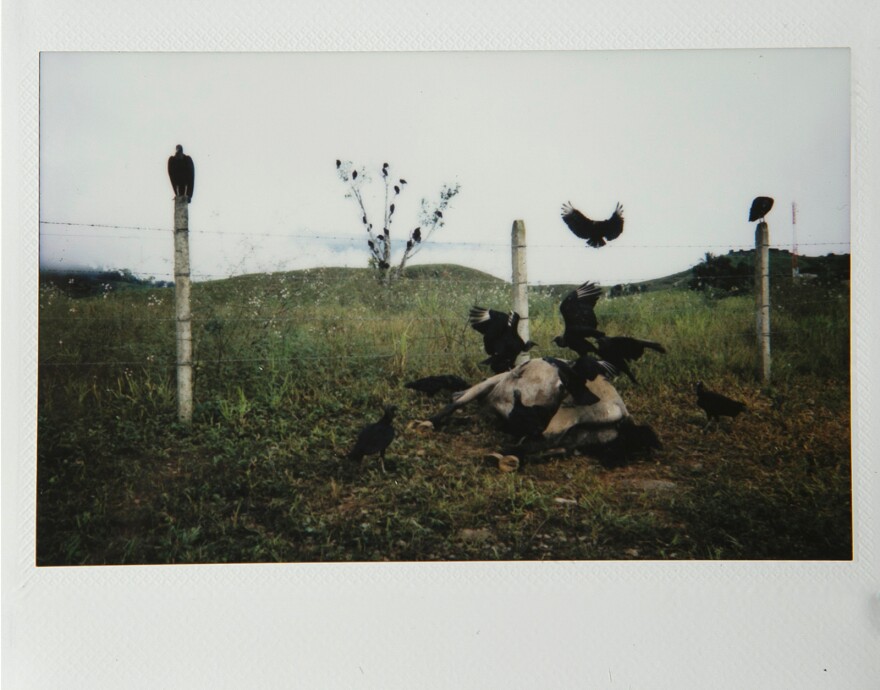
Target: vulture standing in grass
{"x":431,"y":385}
{"x":375,"y":438}
{"x":760,"y":207}
{"x":578,"y":313}
{"x":595,"y":232}
{"x":501,"y":340}
{"x":182,"y":173}
{"x":716,"y":405}
{"x":619,"y":351}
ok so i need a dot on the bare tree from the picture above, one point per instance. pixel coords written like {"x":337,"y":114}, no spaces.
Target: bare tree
{"x":431,"y":217}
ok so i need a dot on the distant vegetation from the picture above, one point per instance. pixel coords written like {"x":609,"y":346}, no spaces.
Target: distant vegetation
{"x":290,"y":366}
{"x":91,"y":282}
{"x":735,"y":272}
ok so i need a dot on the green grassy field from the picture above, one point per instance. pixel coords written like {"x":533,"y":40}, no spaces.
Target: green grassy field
{"x":290,"y":366}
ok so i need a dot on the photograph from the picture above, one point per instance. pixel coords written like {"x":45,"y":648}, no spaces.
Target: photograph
{"x":444,"y":306}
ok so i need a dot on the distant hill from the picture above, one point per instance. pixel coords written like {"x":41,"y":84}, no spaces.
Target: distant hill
{"x":833,"y":267}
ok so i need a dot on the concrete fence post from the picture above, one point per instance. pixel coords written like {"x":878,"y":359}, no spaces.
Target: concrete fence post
{"x":762,"y":298}
{"x":520,"y":282}
{"x":182,"y":310}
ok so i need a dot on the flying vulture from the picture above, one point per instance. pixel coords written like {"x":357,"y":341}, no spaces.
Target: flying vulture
{"x":760,"y":207}
{"x":182,"y":174}
{"x":595,"y":232}
{"x":578,"y":313}
{"x":501,"y":340}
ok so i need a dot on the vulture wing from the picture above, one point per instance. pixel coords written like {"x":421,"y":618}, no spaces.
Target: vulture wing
{"x":578,"y":309}
{"x":189,"y":172}
{"x":493,"y":325}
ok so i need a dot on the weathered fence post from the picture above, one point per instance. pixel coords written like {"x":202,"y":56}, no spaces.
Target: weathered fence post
{"x":520,"y":282}
{"x":182,"y":309}
{"x":762,"y":298}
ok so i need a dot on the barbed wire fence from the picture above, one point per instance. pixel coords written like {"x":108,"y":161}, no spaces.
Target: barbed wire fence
{"x":141,"y":316}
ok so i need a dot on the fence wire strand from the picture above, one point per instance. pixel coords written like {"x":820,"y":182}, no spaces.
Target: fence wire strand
{"x":316,"y":277}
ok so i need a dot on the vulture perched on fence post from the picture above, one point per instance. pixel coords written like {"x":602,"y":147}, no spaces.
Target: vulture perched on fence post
{"x":182,"y":174}
{"x":761,"y":206}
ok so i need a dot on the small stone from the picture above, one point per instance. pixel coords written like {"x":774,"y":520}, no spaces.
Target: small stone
{"x":475,"y":535}
{"x":508,"y":463}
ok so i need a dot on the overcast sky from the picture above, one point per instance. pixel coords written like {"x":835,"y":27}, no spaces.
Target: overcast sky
{"x":683,"y":139}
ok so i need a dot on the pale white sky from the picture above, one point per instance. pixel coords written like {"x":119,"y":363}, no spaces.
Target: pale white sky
{"x":683,"y":139}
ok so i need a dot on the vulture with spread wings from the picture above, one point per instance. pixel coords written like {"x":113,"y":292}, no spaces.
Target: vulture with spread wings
{"x":578,"y":313}
{"x":595,"y":232}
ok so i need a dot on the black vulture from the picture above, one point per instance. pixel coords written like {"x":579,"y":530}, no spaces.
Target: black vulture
{"x":574,"y":378}
{"x":417,"y":235}
{"x":578,"y":313}
{"x":434,"y":384}
{"x":620,"y":350}
{"x":529,"y":421}
{"x":375,"y":438}
{"x":501,"y":340}
{"x":717,"y":405}
{"x":632,"y":440}
{"x":595,"y":232}
{"x":761,"y":206}
{"x":182,"y":173}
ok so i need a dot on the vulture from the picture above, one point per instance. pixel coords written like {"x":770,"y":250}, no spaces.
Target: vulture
{"x":501,"y":340}
{"x":529,"y":421}
{"x":182,"y":174}
{"x":375,"y":438}
{"x":595,"y":232}
{"x":574,"y":377}
{"x":716,"y":405}
{"x":760,"y":207}
{"x":632,"y":440}
{"x":578,"y":313}
{"x":618,"y":351}
{"x":432,"y":385}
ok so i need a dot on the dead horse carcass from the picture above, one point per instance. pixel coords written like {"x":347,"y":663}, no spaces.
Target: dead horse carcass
{"x":538,"y":383}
